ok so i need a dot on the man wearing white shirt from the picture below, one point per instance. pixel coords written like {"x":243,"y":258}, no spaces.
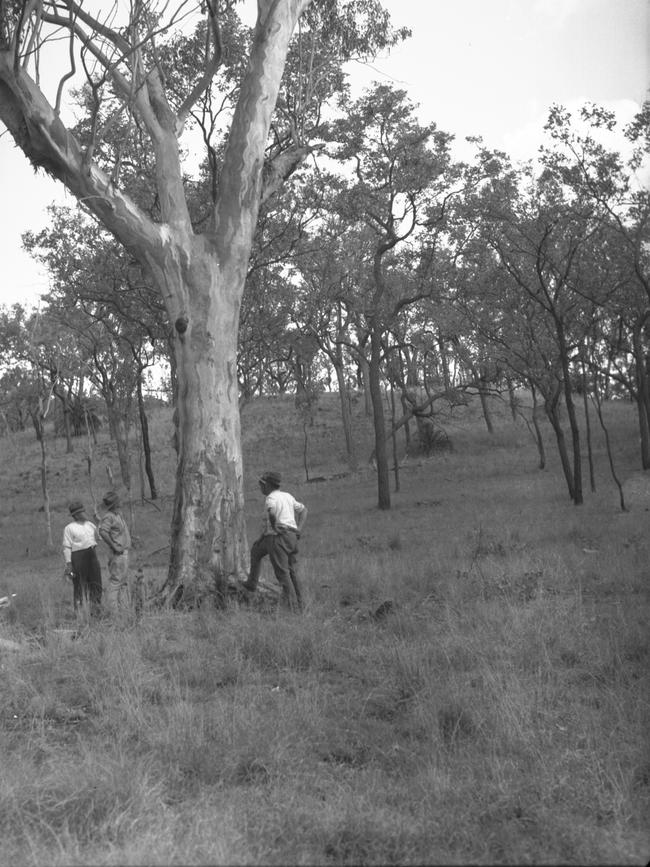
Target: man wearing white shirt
{"x":284,"y":518}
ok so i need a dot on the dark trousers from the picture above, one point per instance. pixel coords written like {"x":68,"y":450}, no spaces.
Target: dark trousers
{"x":86,"y":579}
{"x":282,"y":550}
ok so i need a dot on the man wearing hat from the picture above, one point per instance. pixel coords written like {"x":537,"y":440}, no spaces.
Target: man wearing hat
{"x":81,"y":564}
{"x":114,"y":531}
{"x":279,"y":540}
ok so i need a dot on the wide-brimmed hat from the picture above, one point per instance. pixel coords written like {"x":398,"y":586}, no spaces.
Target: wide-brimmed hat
{"x":111,"y":499}
{"x":271,"y":478}
{"x":75,"y":506}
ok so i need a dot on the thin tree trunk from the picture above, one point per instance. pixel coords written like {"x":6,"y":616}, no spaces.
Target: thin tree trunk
{"x":606,"y":388}
{"x":392,"y":420}
{"x":642,"y":395}
{"x":365,"y":381}
{"x":44,"y":488}
{"x":571,"y":414}
{"x":599,"y":410}
{"x":538,"y":433}
{"x":444,"y":361}
{"x":305,"y":448}
{"x":67,"y":426}
{"x":346,"y":411}
{"x":146,"y":444}
{"x":89,"y":460}
{"x":383,"y":485}
{"x":118,"y":424}
{"x":552,"y":411}
{"x":66,"y":415}
{"x":644,"y":432}
{"x":512,"y":399}
{"x":486,"y":409}
{"x":590,"y":453}
{"x":141,"y":475}
{"x":43,"y":409}
{"x":407,"y":426}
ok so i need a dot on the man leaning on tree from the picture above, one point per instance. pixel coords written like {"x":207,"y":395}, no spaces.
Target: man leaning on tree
{"x":284,"y":518}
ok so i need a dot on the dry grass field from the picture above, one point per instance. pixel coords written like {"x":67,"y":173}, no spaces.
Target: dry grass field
{"x":468,"y":683}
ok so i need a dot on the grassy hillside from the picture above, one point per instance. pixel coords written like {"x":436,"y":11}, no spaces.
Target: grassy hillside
{"x":469,"y":682}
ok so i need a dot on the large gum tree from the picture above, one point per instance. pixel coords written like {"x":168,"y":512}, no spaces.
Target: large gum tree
{"x":200,"y":276}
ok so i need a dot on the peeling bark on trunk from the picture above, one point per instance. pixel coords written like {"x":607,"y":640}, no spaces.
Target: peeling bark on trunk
{"x":209,"y":546}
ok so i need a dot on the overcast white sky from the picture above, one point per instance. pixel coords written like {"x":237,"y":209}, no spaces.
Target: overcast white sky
{"x":476,"y":67}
